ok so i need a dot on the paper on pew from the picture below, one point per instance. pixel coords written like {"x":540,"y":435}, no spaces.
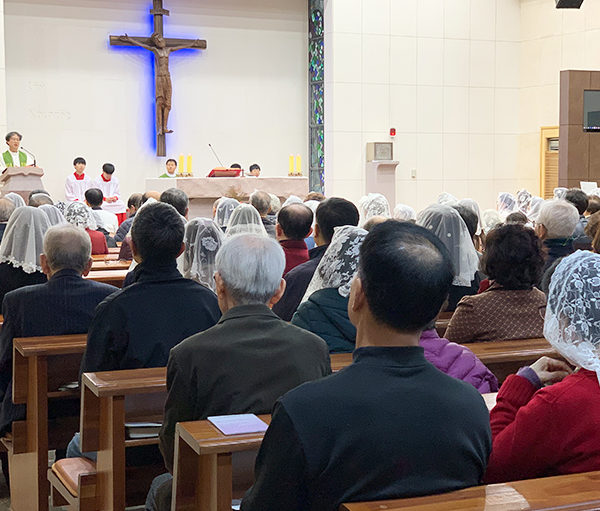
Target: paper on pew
{"x":588,"y":186}
{"x":238,"y":424}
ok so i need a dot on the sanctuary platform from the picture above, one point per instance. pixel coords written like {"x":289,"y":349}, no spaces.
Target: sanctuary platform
{"x":203,"y":191}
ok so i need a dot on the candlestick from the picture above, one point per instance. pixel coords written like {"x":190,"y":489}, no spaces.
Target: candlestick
{"x":291,"y":171}
{"x":189,"y":165}
{"x":298,"y":165}
{"x":180,"y":166}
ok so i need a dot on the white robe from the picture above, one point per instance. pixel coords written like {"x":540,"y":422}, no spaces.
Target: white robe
{"x":75,"y":189}
{"x":110,"y":189}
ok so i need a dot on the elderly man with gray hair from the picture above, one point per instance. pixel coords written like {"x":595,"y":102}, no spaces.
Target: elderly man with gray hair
{"x":63,"y":305}
{"x":555,"y":226}
{"x":6,"y":209}
{"x":248,"y":360}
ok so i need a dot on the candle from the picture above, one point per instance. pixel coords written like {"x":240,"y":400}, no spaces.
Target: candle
{"x":291,"y":171}
{"x":180,"y":166}
{"x":189,"y":165}
{"x":298,"y":165}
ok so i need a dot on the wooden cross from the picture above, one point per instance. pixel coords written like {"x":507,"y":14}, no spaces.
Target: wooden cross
{"x":161,"y":48}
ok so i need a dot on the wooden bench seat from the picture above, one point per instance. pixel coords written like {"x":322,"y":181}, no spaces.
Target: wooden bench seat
{"x":109,"y":400}
{"x":569,"y":492}
{"x":110,"y":264}
{"x":113,"y":277}
{"x":40,"y":366}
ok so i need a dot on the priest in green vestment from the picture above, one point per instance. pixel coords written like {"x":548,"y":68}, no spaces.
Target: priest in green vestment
{"x":14,"y":157}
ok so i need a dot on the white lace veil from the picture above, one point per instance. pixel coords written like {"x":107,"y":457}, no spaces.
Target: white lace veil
{"x":373,"y":204}
{"x":23,"y":239}
{"x":572,"y":323}
{"x":53,"y":214}
{"x":80,"y":215}
{"x":474,"y":207}
{"x":534,"y":208}
{"x":506,"y":204}
{"x":404,"y":213}
{"x":490,"y":219}
{"x":560,"y":192}
{"x":339,"y":263}
{"x":523,"y":201}
{"x":245,"y":220}
{"x":292,"y":199}
{"x":449,"y":227}
{"x":225,"y":208}
{"x":203,"y":239}
{"x":447,"y":198}
{"x":16,"y":199}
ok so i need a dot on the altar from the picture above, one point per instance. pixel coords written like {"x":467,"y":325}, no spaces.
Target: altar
{"x":203,"y":191}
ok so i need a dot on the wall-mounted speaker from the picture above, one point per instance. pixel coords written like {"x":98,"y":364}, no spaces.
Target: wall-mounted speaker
{"x":568,"y":4}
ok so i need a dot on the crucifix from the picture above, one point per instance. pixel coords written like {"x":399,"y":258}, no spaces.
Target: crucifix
{"x":161,"y":48}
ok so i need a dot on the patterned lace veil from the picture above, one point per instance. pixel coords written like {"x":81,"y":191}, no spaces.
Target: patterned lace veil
{"x":203,"y":239}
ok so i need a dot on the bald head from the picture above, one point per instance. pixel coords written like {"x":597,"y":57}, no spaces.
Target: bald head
{"x":151,"y":194}
{"x":66,"y":247}
{"x":294,"y":222}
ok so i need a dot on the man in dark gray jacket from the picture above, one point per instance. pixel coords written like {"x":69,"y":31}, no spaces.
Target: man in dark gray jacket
{"x":248,"y":360}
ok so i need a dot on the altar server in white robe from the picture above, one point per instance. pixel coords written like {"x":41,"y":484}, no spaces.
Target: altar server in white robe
{"x":109,"y":184}
{"x":77,"y":182}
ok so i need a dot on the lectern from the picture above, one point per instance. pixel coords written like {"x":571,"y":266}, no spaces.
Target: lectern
{"x":381,"y":170}
{"x":21,"y":180}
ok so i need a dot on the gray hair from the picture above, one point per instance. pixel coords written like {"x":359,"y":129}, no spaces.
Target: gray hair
{"x":251,"y":267}
{"x":6,"y":209}
{"x":67,"y":247}
{"x":275,"y":203}
{"x":261,"y":201}
{"x":39,"y":199}
{"x":559,"y":217}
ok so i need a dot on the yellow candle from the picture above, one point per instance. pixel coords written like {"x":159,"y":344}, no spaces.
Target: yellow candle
{"x":189,"y":165}
{"x":291,"y":171}
{"x":180,"y":166}
{"x":298,"y":165}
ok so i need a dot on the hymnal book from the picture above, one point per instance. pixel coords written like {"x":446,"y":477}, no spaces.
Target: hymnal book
{"x":139,"y":430}
{"x":240,"y":424}
{"x":223,"y":172}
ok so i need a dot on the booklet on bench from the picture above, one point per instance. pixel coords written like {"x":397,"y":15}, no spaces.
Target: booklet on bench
{"x":239,"y":424}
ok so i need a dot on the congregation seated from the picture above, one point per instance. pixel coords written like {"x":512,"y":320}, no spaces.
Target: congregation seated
{"x":104,"y":219}
{"x":517,"y":218}
{"x":262,"y":202}
{"x":373,"y":204}
{"x":546,"y":420}
{"x":63,"y":305}
{"x":510,"y":307}
{"x":471,"y":220}
{"x":555,"y":225}
{"x":245,"y":362}
{"x":294,"y":224}
{"x":506,"y":203}
{"x":580,"y":200}
{"x":55,"y":217}
{"x":390,"y":425}
{"x":38,"y":199}
{"x":244,"y":219}
{"x":373,"y":221}
{"x":6,"y":209}
{"x":138,"y":325}
{"x":446,"y":223}
{"x":80,"y":215}
{"x":16,"y":199}
{"x":324,"y":308}
{"x":178,"y":199}
{"x":20,"y":248}
{"x":593,"y":205}
{"x":331,"y":213}
{"x":224,"y":208}
{"x":203,"y":240}
{"x":133,"y":204}
{"x":404,"y":213}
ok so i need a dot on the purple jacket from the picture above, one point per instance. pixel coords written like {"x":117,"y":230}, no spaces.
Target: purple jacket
{"x":457,"y":361}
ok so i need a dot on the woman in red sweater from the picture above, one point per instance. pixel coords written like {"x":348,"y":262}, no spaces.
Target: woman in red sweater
{"x":555,"y":430}
{"x":80,"y":215}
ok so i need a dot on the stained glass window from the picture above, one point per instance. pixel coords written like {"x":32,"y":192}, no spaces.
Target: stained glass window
{"x":316,"y":50}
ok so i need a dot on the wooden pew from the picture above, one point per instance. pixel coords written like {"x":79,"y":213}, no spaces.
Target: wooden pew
{"x":113,"y":277}
{"x":40,"y":366}
{"x":109,"y":400}
{"x":105,"y":257}
{"x":203,"y":470}
{"x":110,"y":264}
{"x":114,"y":250}
{"x":568,"y":492}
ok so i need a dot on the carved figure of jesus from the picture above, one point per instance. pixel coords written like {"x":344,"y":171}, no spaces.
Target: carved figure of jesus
{"x":164,"y":88}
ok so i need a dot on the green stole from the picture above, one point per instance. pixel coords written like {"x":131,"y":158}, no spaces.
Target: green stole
{"x":7,"y":156}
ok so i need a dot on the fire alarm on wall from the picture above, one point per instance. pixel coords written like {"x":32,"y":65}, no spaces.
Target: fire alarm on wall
{"x":392,"y":132}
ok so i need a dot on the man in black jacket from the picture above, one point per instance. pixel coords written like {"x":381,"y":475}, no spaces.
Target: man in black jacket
{"x":63,"y":305}
{"x":331,"y":213}
{"x":390,"y":425}
{"x":245,"y":362}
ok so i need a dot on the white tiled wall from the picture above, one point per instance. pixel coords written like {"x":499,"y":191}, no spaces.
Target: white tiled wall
{"x":2,"y":73}
{"x":445,"y":74}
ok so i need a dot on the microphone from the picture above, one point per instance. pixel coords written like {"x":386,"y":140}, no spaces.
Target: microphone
{"x":30,"y":154}
{"x":214,"y":152}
